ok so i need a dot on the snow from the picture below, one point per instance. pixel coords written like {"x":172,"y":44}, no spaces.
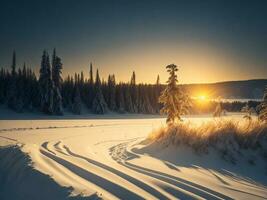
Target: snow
{"x":106,"y":158}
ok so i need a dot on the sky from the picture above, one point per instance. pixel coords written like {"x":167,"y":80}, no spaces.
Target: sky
{"x":210,"y":41}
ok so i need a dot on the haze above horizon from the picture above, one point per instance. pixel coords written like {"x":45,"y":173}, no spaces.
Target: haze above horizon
{"x":212,"y":41}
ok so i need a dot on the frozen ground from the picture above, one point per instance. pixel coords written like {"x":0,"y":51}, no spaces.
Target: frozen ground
{"x":103,"y":158}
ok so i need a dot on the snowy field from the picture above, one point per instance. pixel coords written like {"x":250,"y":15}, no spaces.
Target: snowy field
{"x":103,"y":158}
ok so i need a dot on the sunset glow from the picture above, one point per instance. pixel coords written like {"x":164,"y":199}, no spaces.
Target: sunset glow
{"x":202,"y":97}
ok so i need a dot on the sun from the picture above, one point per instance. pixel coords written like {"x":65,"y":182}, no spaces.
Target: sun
{"x":202,"y":97}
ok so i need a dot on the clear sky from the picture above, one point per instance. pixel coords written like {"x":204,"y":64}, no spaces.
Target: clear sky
{"x":211,"y":40}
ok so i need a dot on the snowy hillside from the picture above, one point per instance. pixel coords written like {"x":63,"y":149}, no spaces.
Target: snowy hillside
{"x":107,"y":158}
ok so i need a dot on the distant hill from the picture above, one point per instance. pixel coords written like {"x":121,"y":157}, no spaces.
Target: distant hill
{"x":248,"y":89}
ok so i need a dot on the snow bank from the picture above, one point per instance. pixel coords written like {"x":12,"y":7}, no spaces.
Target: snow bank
{"x":19,"y":180}
{"x":221,"y":144}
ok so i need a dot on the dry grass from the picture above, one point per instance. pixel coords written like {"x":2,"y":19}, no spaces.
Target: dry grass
{"x":228,"y":137}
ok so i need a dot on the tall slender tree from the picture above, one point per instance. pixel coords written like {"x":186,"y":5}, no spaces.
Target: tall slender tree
{"x":158,"y":80}
{"x":57,"y":80}
{"x":46,"y":85}
{"x":99,"y":104}
{"x":134,"y":93}
{"x":112,"y":92}
{"x":91,"y":88}
{"x":175,"y":101}
{"x":13,"y":66}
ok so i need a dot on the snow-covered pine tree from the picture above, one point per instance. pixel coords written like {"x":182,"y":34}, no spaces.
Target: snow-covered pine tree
{"x":77,"y":103}
{"x":50,"y":86}
{"x":112,"y":92}
{"x":57,"y":70}
{"x":263,"y":107}
{"x":57,"y":80}
{"x":91,"y":88}
{"x":46,"y":85}
{"x":134,"y":92}
{"x":12,"y":89}
{"x":99,"y":105}
{"x":175,"y":101}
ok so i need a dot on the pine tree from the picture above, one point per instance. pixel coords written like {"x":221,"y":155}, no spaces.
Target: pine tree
{"x":13,"y":66}
{"x":12,"y":89}
{"x":134,"y":92}
{"x":25,"y":83}
{"x":91,"y":89}
{"x":56,"y":70}
{"x":175,"y":101}
{"x":99,"y":104}
{"x":91,"y":76}
{"x":158,"y":80}
{"x":263,"y":107}
{"x":57,"y":80}
{"x":46,"y":85}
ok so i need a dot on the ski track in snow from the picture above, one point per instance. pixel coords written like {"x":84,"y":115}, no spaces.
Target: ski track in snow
{"x":107,"y":166}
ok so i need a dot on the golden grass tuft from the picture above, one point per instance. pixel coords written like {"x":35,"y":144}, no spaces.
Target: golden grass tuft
{"x":224,"y":135}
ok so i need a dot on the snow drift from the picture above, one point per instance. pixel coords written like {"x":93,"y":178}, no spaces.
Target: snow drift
{"x":19,"y":180}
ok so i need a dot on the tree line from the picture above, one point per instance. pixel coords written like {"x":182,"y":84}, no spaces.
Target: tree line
{"x":22,"y":90}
